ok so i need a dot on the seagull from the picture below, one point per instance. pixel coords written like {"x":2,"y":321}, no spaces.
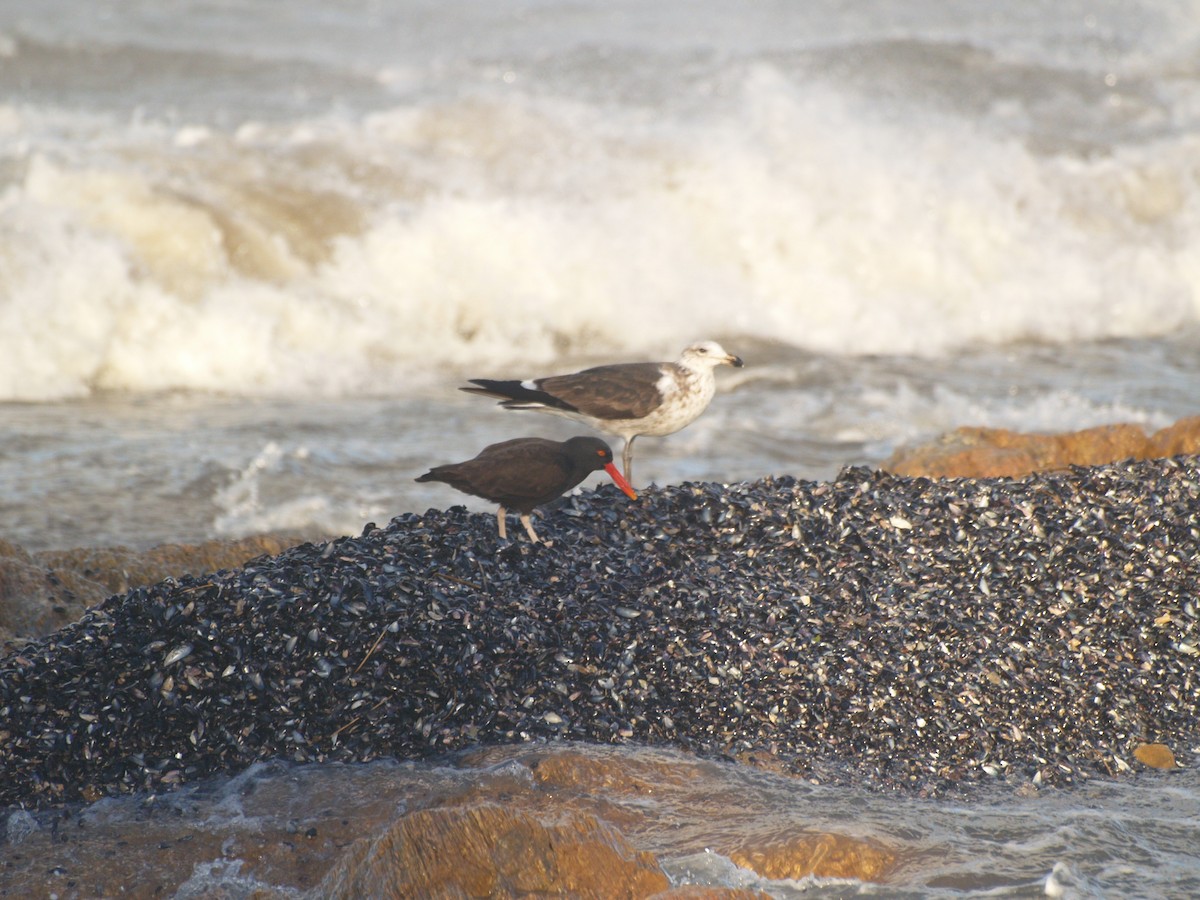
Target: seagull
{"x":625,"y":399}
{"x":525,"y":473}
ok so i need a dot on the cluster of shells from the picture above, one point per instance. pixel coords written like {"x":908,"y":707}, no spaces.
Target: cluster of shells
{"x":886,"y":631}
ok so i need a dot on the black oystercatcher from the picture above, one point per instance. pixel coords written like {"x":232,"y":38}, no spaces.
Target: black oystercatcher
{"x":627,"y":399}
{"x":525,"y":473}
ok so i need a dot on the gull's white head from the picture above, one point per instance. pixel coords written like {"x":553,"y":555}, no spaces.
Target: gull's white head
{"x":707,"y":355}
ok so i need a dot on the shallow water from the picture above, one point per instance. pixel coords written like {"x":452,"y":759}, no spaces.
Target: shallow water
{"x":282,"y":827}
{"x":147,"y":469}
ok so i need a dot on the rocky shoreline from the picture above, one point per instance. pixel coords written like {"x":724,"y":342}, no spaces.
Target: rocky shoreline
{"x":894,"y":632}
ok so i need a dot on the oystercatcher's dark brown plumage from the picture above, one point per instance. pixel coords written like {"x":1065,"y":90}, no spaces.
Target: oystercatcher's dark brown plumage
{"x":626,"y":399}
{"x":525,"y":473}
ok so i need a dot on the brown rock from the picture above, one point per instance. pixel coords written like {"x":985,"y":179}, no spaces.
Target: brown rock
{"x":996,"y":452}
{"x":571,"y":770}
{"x":1181,"y":438}
{"x":963,"y":453}
{"x":1097,"y":446}
{"x":1157,"y":756}
{"x":117,"y":569}
{"x":703,"y":892}
{"x":339,"y":827}
{"x":33,"y":601}
{"x":486,"y":850}
{"x":822,"y":855}
{"x":41,"y":592}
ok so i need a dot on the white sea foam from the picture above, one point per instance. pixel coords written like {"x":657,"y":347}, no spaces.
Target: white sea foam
{"x":253,"y":501}
{"x":224,"y":877}
{"x":1064,"y":882}
{"x":19,"y":825}
{"x":350,"y":255}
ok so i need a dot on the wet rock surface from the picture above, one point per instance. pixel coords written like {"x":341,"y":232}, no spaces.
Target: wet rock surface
{"x":820,"y":855}
{"x":565,"y":819}
{"x":490,"y":850}
{"x":888,"y":631}
{"x":973,"y":452}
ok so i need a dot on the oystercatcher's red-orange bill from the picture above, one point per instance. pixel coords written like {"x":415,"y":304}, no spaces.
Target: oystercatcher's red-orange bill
{"x":617,"y":477}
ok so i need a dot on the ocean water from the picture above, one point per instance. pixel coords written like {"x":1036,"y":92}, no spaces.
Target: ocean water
{"x":248,"y":250}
